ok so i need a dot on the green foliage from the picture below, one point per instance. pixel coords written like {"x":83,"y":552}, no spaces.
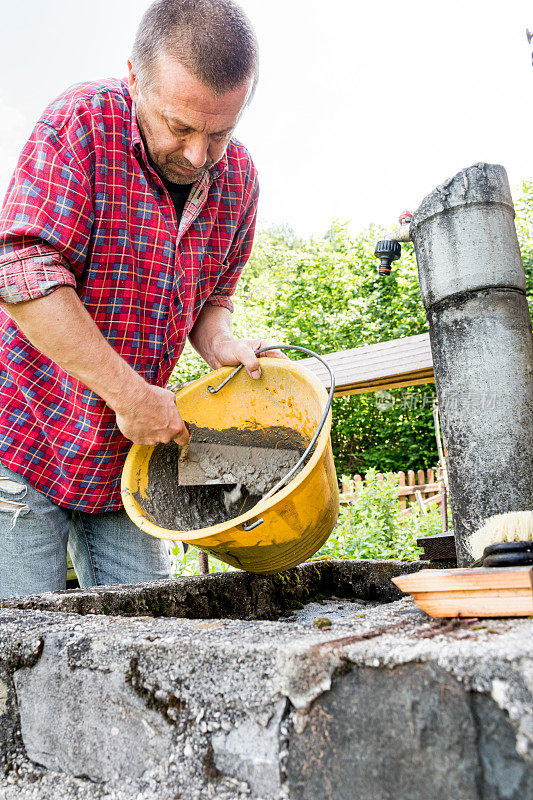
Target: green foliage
{"x":187,"y":563}
{"x":371,"y":527}
{"x":331,"y":296}
{"x":398,"y":437}
{"x":524,"y":227}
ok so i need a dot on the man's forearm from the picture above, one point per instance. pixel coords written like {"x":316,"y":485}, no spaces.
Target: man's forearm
{"x":212,"y":325}
{"x":59,"y":326}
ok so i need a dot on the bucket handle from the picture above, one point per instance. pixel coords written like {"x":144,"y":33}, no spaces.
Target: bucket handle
{"x":249,"y":526}
{"x":212,"y":390}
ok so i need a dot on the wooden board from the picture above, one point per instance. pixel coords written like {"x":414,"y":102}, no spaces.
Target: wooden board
{"x":496,"y":592}
{"x":385,"y":365}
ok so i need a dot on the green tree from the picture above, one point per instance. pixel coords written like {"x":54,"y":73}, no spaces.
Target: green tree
{"x":524,"y":227}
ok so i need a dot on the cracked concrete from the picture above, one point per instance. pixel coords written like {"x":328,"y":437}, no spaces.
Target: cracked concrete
{"x":385,"y":704}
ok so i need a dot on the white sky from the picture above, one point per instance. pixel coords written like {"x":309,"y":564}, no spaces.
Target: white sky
{"x":362,"y":108}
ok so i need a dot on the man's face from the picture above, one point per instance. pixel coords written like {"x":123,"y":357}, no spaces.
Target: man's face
{"x":185,"y":127}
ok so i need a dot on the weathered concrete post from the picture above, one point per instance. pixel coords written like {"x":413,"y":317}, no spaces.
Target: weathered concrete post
{"x":472,"y":283}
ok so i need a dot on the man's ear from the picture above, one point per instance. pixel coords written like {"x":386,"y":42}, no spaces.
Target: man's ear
{"x":132,"y":82}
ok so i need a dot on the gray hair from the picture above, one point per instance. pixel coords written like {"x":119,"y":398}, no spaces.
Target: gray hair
{"x":213,"y":39}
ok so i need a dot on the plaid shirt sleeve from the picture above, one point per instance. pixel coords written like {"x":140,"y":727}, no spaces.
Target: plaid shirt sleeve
{"x":46,"y":220}
{"x":240,"y":249}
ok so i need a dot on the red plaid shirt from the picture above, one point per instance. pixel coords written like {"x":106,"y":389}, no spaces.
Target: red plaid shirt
{"x":85,"y":209}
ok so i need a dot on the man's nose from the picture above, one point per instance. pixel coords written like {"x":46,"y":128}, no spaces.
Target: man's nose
{"x":196,"y":150}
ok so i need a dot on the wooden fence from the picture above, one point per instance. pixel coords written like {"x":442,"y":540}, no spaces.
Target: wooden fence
{"x":420,"y":489}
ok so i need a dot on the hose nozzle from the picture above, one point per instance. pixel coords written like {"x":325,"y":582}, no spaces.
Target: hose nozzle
{"x":387,"y":251}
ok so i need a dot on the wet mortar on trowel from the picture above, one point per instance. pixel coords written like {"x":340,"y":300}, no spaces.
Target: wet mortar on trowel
{"x":185,"y":508}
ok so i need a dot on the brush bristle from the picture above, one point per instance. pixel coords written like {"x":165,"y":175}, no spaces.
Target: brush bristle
{"x":514,"y":527}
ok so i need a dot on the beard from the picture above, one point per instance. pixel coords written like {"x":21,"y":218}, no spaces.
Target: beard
{"x":170,"y":169}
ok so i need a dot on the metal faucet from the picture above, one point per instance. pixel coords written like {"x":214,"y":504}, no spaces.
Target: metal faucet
{"x":390,"y":249}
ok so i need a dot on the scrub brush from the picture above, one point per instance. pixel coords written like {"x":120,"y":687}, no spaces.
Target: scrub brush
{"x":504,"y":540}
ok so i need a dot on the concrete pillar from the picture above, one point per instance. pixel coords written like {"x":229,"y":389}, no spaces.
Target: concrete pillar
{"x":473,"y":284}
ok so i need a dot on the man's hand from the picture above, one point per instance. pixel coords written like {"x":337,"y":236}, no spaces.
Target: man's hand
{"x":152,"y":418}
{"x":211,"y":337}
{"x":227,"y":352}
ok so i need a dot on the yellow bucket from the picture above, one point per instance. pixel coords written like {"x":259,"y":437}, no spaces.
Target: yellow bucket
{"x":298,"y":518}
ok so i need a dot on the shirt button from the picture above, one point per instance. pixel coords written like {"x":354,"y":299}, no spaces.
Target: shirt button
{"x":166,"y":355}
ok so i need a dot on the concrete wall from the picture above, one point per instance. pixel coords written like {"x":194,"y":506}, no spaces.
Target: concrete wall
{"x":384,"y":704}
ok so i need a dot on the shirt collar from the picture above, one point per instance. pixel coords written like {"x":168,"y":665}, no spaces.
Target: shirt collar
{"x":137,"y":146}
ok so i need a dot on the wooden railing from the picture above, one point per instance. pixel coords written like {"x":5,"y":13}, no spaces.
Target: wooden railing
{"x":421,"y":489}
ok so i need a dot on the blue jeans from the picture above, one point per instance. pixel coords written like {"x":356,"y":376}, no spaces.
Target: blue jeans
{"x":104,"y":548}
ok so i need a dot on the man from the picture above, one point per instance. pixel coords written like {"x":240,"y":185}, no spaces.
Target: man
{"x":125,"y":228}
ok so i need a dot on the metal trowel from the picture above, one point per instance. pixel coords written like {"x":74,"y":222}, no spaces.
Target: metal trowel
{"x":204,"y":463}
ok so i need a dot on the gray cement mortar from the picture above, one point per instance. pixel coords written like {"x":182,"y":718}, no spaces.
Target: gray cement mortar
{"x":184,"y":508}
{"x":386,"y":704}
